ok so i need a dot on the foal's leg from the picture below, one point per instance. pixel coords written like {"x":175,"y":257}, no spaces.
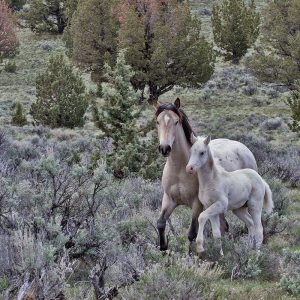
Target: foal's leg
{"x":216,"y":230}
{"x":255,"y":212}
{"x":196,"y":210}
{"x":215,"y":209}
{"x":243,"y":214}
{"x":167,"y":208}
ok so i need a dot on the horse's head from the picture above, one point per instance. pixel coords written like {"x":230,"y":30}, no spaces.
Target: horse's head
{"x":199,"y":154}
{"x":168,"y":118}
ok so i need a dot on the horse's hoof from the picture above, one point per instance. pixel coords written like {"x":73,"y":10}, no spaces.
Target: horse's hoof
{"x":163,"y":247}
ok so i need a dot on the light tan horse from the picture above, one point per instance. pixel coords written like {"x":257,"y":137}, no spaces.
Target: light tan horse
{"x":179,"y":187}
{"x":242,"y":191}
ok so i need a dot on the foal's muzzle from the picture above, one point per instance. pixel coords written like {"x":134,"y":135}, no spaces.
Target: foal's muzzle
{"x":164,"y":149}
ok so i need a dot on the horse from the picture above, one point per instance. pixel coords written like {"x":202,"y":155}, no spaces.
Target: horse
{"x":242,"y":191}
{"x":174,"y":132}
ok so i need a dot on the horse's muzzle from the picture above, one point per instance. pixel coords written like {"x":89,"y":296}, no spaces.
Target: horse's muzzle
{"x":164,"y":149}
{"x":189,"y":169}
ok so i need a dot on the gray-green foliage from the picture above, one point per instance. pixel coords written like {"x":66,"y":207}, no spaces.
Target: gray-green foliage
{"x":294,"y":103}
{"x":175,"y":278}
{"x":60,"y":93}
{"x":235,"y":27}
{"x":63,"y":203}
{"x":19,"y":118}
{"x":290,"y":280}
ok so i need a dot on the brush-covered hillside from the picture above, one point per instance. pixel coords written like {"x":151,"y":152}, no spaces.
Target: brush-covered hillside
{"x":80,"y":170}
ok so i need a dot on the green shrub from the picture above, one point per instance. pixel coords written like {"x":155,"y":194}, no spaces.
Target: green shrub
{"x":61,"y":99}
{"x":10,"y":67}
{"x":15,"y":4}
{"x":235,"y":27}
{"x":19,"y":118}
{"x":290,"y":281}
{"x":294,"y":104}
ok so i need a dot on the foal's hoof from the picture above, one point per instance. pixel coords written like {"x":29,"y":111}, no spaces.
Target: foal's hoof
{"x":200,"y":250}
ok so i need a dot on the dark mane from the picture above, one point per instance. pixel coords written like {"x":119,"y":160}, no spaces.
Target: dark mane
{"x":182,"y":116}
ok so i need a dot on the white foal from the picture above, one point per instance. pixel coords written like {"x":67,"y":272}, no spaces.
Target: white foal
{"x":242,"y":191}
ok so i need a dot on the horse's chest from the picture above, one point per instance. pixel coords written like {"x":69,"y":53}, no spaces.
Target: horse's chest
{"x":183,"y":191}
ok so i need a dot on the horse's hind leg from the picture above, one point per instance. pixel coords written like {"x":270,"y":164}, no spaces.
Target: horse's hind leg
{"x":167,"y":208}
{"x":243,"y":214}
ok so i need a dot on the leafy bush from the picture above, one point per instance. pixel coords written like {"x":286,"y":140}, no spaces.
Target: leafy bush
{"x":61,"y":99}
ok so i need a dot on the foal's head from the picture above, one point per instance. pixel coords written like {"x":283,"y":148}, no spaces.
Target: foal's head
{"x":169,"y":118}
{"x":199,"y":154}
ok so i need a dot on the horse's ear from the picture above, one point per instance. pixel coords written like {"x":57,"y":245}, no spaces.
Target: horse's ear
{"x":177,"y":103}
{"x":207,"y":140}
{"x":156,"y":104}
{"x":193,"y":138}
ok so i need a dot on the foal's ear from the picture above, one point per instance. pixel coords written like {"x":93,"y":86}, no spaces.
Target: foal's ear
{"x":177,"y":103}
{"x":156,"y":104}
{"x":193,"y":138}
{"x":207,"y":140}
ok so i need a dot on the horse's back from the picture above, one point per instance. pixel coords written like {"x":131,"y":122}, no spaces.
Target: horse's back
{"x":232,"y":155}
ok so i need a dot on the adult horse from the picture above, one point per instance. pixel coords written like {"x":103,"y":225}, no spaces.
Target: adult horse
{"x":175,"y":132}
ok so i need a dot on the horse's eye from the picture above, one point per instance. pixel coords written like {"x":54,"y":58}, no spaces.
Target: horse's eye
{"x":176,"y":122}
{"x":202,"y":153}
{"x":157,"y":122}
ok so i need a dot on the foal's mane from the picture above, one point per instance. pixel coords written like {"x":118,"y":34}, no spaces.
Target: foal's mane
{"x":182,"y":116}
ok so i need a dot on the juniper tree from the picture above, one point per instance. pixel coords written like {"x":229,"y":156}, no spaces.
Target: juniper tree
{"x":60,"y":93}
{"x":164,"y":45}
{"x":279,"y":58}
{"x":120,"y":119}
{"x":50,"y":15}
{"x":235,"y":27}
{"x":15,"y":4}
{"x":8,"y":38}
{"x":94,"y":35}
{"x":19,"y":118}
{"x":294,"y":103}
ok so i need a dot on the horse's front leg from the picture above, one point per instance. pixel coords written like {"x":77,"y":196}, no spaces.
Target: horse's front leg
{"x":196,"y":210}
{"x":167,"y":208}
{"x":213,"y":210}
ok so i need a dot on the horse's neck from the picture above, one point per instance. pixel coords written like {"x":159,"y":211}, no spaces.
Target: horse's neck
{"x":180,"y":153}
{"x":208,"y":172}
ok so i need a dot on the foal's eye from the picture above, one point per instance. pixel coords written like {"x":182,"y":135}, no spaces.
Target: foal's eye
{"x":176,"y":122}
{"x":201,"y":153}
